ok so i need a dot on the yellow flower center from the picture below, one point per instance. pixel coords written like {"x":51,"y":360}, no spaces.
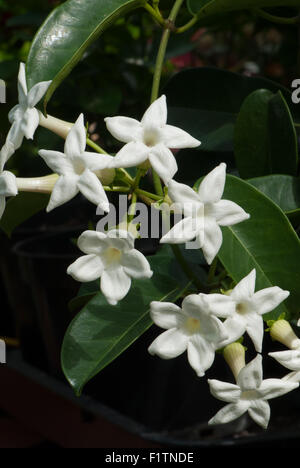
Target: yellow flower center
{"x":112,"y":255}
{"x":192,"y":325}
{"x":241,"y":308}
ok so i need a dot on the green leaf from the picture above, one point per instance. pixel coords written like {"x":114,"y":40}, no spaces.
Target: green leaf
{"x":206,"y":101}
{"x":265,"y":136}
{"x":204,"y":8}
{"x":266,"y":241}
{"x":284,"y":190}
{"x":65,"y":35}
{"x":20,"y":208}
{"x":101,"y":332}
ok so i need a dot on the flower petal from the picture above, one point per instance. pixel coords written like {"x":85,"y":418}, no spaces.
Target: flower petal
{"x":36,"y":93}
{"x":7,"y":151}
{"x":124,"y":129}
{"x":235,"y":327}
{"x":182,"y":193}
{"x":30,"y":123}
{"x":184,"y":231}
{"x":132,"y":154}
{"x":273,"y":388}
{"x":224,"y":391}
{"x":220,"y":305}
{"x":165,"y":314}
{"x":15,"y":135}
{"x":212,"y":186}
{"x":250,"y":377}
{"x":58,"y":162}
{"x":96,"y":162}
{"x":90,"y":186}
{"x":230,"y":412}
{"x":174,"y":137}
{"x":255,"y":329}
{"x":289,"y":359}
{"x":228,"y":213}
{"x":163,"y":162}
{"x":22,"y":85}
{"x":156,"y":114}
{"x":169,"y":344}
{"x":136,"y":265}
{"x":8,"y":184}
{"x":268,"y":299}
{"x":120,"y":239}
{"x":259,"y":411}
{"x":201,"y":354}
{"x":92,"y":242}
{"x":64,"y":190}
{"x":76,"y":140}
{"x":86,"y":268}
{"x":115,"y":284}
{"x":244,"y":290}
{"x":212,"y":240}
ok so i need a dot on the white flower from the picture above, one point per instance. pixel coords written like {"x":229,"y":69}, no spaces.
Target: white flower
{"x":24,"y":117}
{"x":190,"y":328}
{"x":150,"y":140}
{"x":250,"y":393}
{"x":204,"y":213}
{"x":291,"y":360}
{"x":111,"y":257}
{"x":8,"y":188}
{"x":77,"y":168}
{"x":243,"y":308}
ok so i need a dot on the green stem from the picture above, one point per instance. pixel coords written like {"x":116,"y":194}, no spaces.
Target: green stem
{"x":212,"y":271}
{"x":158,"y":71}
{"x":155,"y":13}
{"x":116,"y":189}
{"x":131,"y":211}
{"x":96,"y":147}
{"x":276,"y":19}
{"x":187,"y":26}
{"x":148,"y":194}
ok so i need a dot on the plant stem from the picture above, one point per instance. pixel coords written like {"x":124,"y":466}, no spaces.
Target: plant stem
{"x":155,"y":13}
{"x":148,"y":194}
{"x":187,"y":26}
{"x":96,"y":147}
{"x":212,"y":271}
{"x":276,"y":19}
{"x":158,"y":71}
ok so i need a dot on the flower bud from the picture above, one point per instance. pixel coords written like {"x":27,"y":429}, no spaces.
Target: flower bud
{"x":37,"y":184}
{"x":234,"y":355}
{"x":106,"y":176}
{"x":60,"y":127}
{"x":282,"y":331}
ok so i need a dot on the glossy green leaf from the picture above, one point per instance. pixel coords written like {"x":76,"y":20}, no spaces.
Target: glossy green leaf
{"x":265,"y":138}
{"x":284,"y":190}
{"x":101,"y":332}
{"x":65,"y":35}
{"x":266,"y":241}
{"x":20,"y":208}
{"x":206,"y":101}
{"x":204,"y":8}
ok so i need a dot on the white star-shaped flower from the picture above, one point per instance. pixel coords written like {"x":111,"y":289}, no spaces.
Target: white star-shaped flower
{"x":250,"y":393}
{"x":204,"y":212}
{"x":8,"y":188}
{"x":190,"y":328}
{"x":150,"y":139}
{"x":243,"y":308}
{"x":111,"y":257}
{"x":77,"y":170}
{"x":24,"y":117}
{"x":291,"y":360}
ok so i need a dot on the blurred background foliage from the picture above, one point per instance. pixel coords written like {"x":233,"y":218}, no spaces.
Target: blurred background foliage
{"x":114,"y":76}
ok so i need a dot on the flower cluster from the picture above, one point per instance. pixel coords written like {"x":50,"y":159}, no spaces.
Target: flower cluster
{"x":204,"y":323}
